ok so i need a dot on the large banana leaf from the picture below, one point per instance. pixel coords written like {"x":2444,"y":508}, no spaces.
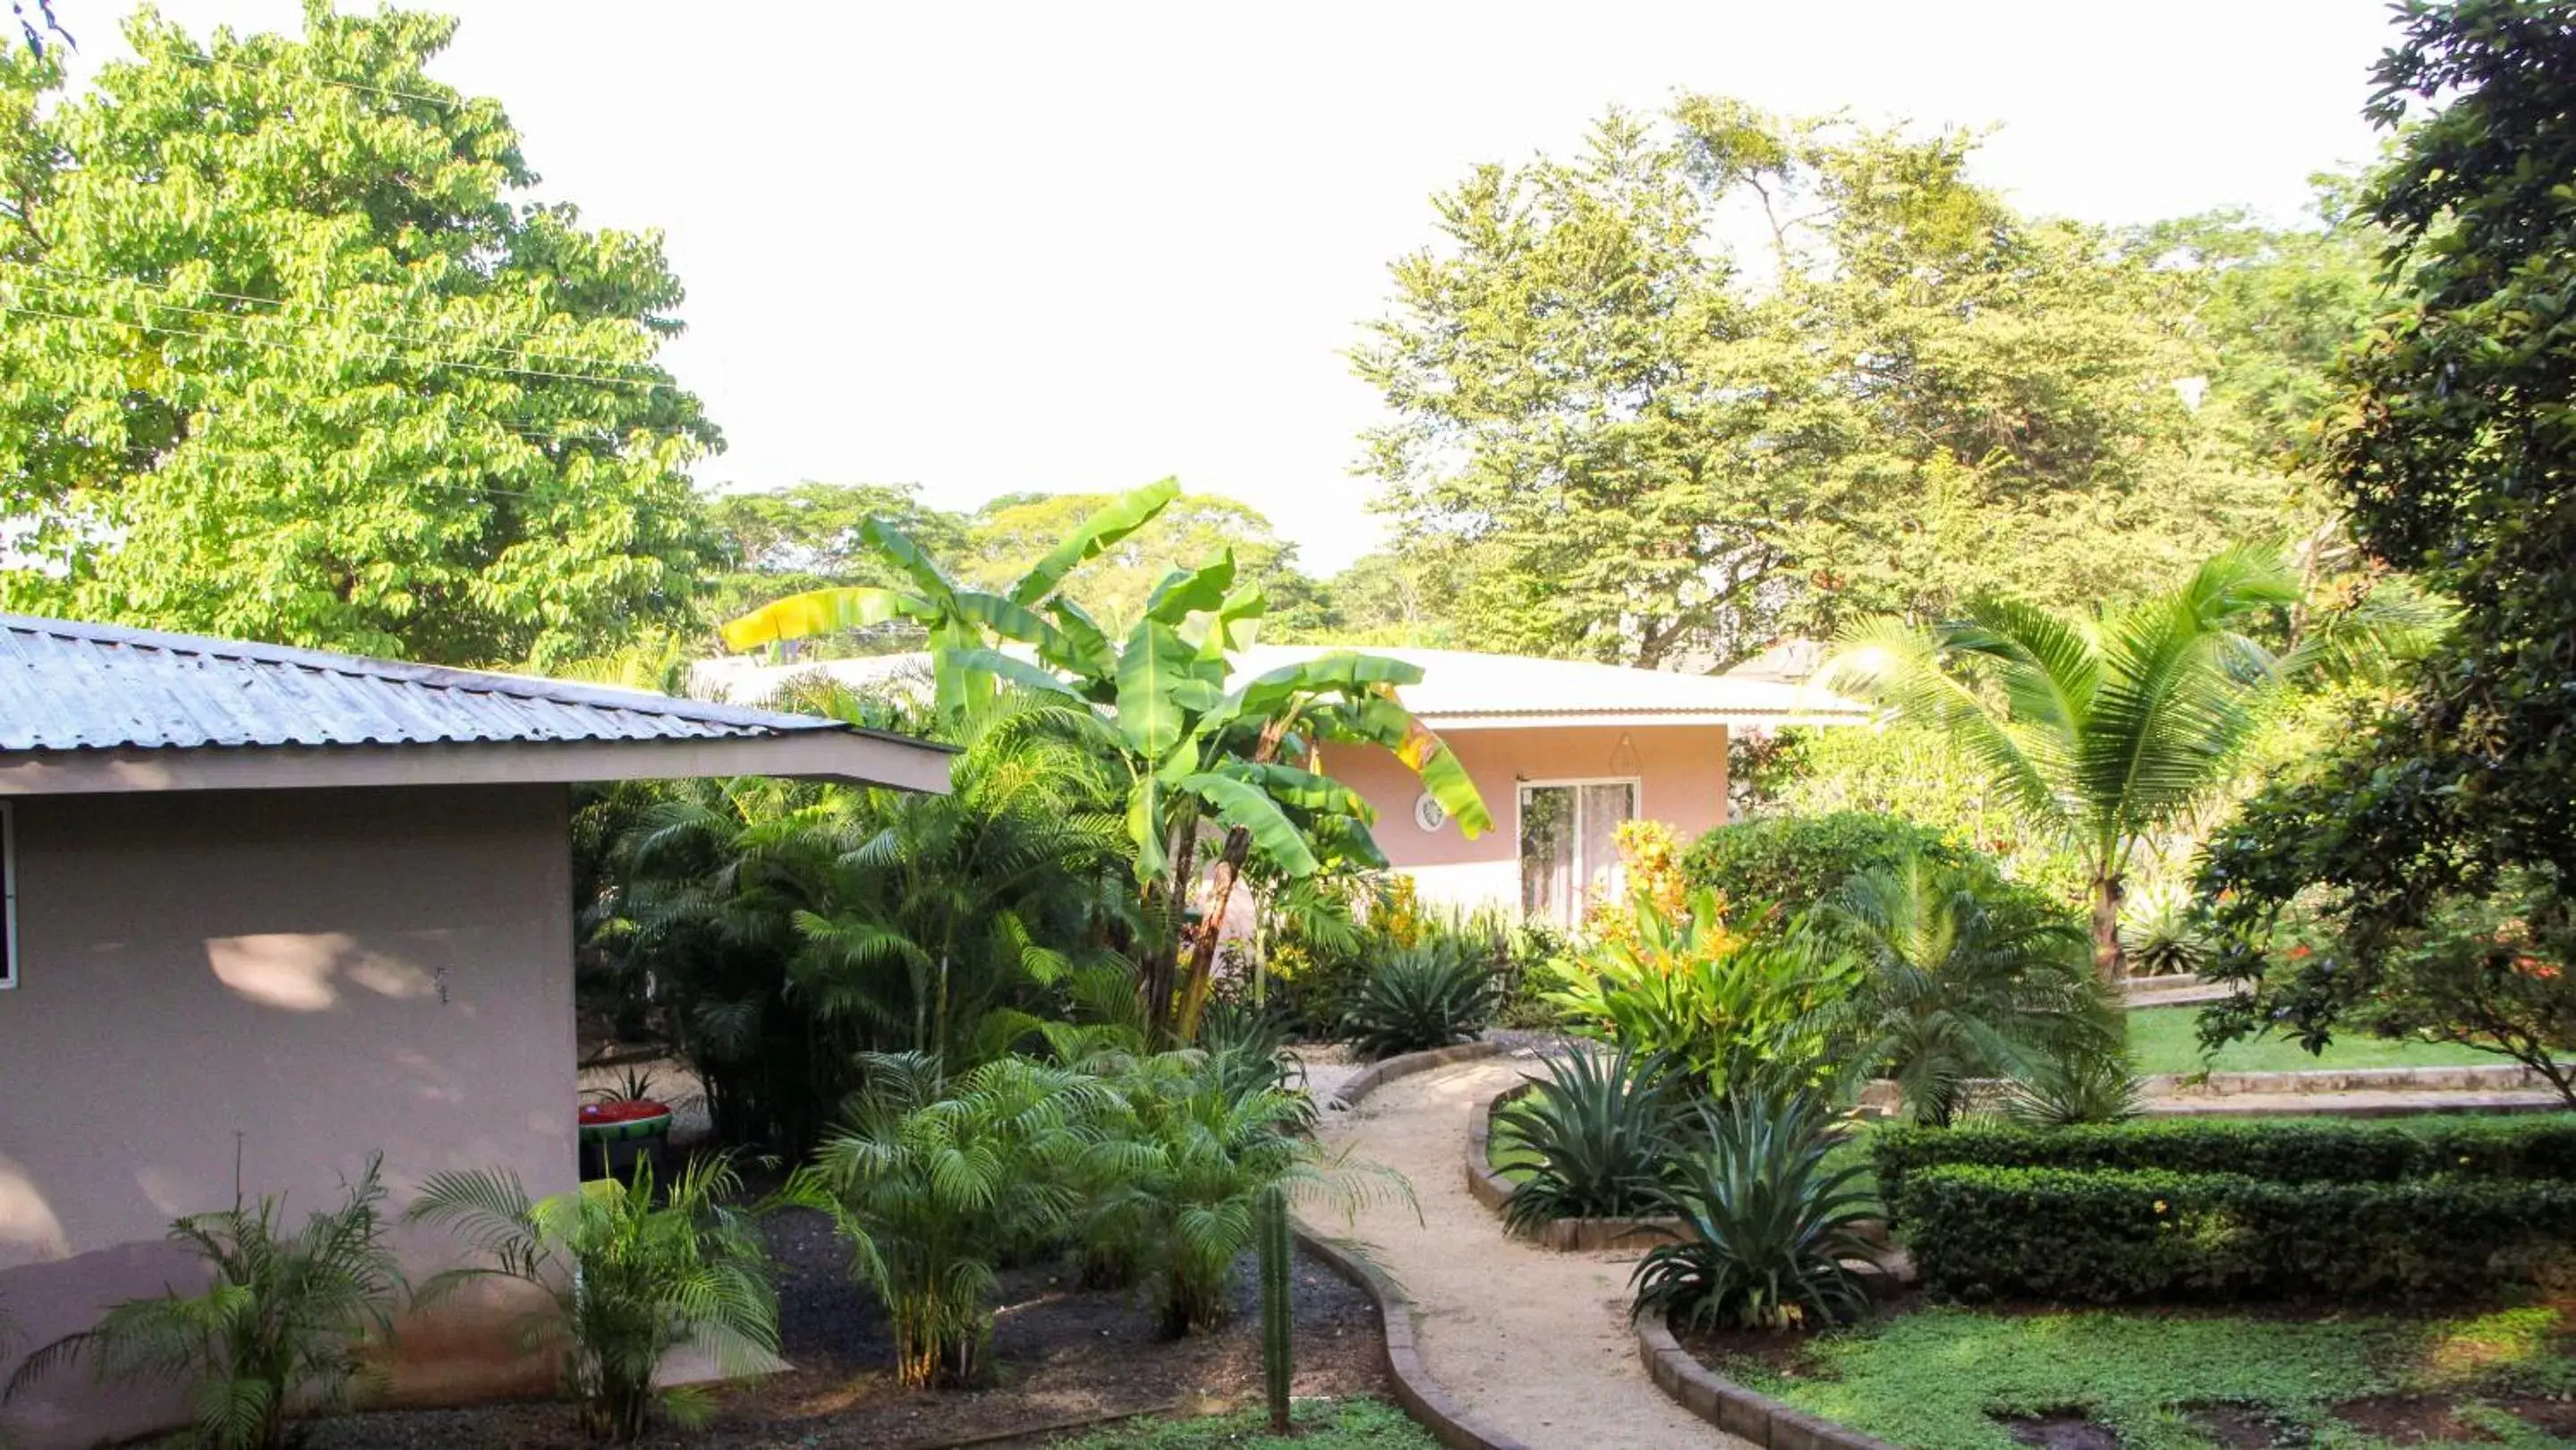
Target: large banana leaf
{"x":1009,"y":620}
{"x":1152,"y":670}
{"x":1273,"y":834}
{"x":1380,"y":720}
{"x":823,"y":611}
{"x":1303,"y":789}
{"x":897,"y":548}
{"x":1235,"y":624}
{"x":1145,"y":827}
{"x":1085,"y":646}
{"x":1185,"y":592}
{"x":1107,"y":527}
{"x":1017,"y":671}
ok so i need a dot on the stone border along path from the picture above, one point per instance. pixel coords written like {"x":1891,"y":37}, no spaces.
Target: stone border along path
{"x":1534,"y":1346}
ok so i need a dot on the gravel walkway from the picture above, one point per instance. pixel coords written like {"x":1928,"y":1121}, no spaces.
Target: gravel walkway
{"x":1533,"y":1343}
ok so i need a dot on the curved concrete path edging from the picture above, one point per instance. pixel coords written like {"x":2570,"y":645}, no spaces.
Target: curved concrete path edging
{"x":1487,"y":1185}
{"x":1421,"y":1396}
{"x":1733,"y":1408}
{"x":1404,"y":1064}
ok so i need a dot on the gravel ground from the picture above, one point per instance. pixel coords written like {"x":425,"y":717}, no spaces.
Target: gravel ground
{"x":1534,"y":1343}
{"x":1060,"y":1355}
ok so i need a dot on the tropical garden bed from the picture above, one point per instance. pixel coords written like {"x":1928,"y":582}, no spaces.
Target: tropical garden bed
{"x":1939,"y":1378}
{"x":1061,"y":1356}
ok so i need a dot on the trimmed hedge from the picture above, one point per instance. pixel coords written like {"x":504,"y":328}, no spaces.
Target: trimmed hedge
{"x":2314,"y":1150}
{"x":2041,"y":1233}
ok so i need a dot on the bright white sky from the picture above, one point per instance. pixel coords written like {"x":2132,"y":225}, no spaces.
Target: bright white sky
{"x":988,"y":247}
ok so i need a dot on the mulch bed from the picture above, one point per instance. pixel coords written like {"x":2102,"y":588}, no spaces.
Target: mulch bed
{"x":1061,"y":1355}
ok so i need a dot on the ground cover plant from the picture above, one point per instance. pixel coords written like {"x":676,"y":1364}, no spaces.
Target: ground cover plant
{"x":1950,"y":1379}
{"x":2167,"y":1040}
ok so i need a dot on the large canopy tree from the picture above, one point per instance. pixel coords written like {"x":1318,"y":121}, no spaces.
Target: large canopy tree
{"x":2454,"y":446}
{"x":291,"y":353}
{"x":1632,"y":438}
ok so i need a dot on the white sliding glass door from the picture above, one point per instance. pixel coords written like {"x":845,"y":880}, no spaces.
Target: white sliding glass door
{"x":1568,"y":843}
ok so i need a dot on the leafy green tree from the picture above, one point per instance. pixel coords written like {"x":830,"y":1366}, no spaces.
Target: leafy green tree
{"x":1632,"y":439}
{"x":2451,"y":445}
{"x":784,"y":541}
{"x":2108,"y":732}
{"x":292,"y":353}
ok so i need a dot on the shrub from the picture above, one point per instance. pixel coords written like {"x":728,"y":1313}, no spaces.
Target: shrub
{"x":2110,"y":1236}
{"x":2281,"y":1150}
{"x":2082,"y":1085}
{"x":1421,"y":997}
{"x":276,"y":1331}
{"x":1733,"y":1011}
{"x":1598,"y":1138}
{"x":1771,"y":1222}
{"x":933,"y":1181}
{"x":1960,"y":978}
{"x":632,"y":1274}
{"x":1793,"y":862}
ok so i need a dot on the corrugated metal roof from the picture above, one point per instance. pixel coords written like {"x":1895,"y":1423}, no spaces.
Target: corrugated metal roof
{"x":73,"y":686}
{"x":1465,"y":685}
{"x":1457,"y":686}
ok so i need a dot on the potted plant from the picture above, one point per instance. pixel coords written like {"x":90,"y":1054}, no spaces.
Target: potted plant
{"x":621,"y":1123}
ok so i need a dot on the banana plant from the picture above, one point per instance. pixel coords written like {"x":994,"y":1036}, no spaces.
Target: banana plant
{"x":1197,"y":749}
{"x":961,"y":621}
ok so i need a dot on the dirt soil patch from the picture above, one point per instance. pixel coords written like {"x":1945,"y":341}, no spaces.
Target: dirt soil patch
{"x":1060,"y":1355}
{"x":2067,"y":1431}
{"x":2435,"y":1419}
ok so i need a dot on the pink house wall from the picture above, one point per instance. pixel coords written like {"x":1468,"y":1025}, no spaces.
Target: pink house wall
{"x":1680,"y":770}
{"x":309,"y":974}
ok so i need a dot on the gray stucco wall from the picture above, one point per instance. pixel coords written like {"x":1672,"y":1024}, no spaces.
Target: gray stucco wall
{"x":308,"y":974}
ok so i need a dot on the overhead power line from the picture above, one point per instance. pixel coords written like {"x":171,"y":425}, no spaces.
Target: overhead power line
{"x":360,"y":315}
{"x":493,"y":369}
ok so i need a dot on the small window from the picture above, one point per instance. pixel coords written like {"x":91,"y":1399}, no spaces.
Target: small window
{"x":8,"y":897}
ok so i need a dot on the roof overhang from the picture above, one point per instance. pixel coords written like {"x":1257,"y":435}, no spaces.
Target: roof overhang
{"x":1637,"y":719}
{"x":856,"y":758}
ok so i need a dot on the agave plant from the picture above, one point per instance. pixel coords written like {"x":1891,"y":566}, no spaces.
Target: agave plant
{"x":1421,"y":997}
{"x":278,"y":1329}
{"x":1598,"y":1139}
{"x":1771,"y":1223}
{"x":933,"y":1180}
{"x":2083,"y":1086}
{"x":2164,"y":934}
{"x":629,"y":1279}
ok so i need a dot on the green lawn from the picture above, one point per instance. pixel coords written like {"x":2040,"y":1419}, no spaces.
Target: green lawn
{"x":1321,"y":1425}
{"x":2166,"y":1039}
{"x":1933,"y":1380}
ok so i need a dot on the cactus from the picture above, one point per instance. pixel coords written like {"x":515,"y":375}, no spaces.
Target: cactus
{"x":1277,"y":1309}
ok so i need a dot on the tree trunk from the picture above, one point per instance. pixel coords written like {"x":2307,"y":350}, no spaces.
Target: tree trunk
{"x":1161,"y":972}
{"x":2109,"y":957}
{"x":1200,"y":980}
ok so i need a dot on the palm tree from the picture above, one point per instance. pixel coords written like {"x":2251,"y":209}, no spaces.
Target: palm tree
{"x":1960,"y":978}
{"x":2111,"y":729}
